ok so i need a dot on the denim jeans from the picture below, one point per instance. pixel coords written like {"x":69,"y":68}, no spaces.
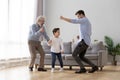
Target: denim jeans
{"x":54,"y":59}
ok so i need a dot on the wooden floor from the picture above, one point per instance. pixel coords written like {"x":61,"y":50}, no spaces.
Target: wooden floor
{"x":22,"y":73}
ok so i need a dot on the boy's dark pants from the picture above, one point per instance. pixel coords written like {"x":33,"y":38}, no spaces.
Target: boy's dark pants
{"x":54,"y":59}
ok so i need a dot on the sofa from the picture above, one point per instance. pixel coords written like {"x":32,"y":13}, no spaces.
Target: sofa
{"x":97,"y":53}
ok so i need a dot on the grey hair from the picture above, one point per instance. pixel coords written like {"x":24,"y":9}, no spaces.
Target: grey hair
{"x":40,"y":18}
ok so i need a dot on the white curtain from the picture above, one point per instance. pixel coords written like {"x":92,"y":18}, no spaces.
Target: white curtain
{"x":16,"y":16}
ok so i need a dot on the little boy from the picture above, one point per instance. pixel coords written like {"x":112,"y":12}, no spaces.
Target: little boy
{"x":56,"y":48}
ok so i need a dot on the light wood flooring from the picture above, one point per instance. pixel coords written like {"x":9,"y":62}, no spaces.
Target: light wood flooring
{"x":22,"y":73}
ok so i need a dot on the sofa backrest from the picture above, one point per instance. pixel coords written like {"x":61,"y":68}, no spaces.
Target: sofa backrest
{"x":95,"y":47}
{"x":73,"y":46}
{"x":45,"y":47}
{"x":67,"y":47}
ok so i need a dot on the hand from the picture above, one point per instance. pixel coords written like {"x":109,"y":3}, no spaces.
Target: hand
{"x":61,"y":17}
{"x":50,"y":41}
{"x":42,"y":29}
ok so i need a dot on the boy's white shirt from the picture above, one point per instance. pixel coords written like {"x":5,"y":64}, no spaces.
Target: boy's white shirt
{"x":56,"y":45}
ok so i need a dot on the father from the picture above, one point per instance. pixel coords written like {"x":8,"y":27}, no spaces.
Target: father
{"x":85,"y":33}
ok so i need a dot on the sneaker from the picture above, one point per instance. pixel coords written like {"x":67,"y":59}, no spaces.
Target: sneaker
{"x":61,"y":69}
{"x":52,"y":70}
{"x":42,"y":69}
{"x":93,"y":69}
{"x":83,"y":70}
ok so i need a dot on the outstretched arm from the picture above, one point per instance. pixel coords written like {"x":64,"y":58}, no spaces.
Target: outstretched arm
{"x":65,"y":19}
{"x":75,"y":21}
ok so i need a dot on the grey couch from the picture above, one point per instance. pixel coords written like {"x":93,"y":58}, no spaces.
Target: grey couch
{"x":97,"y":53}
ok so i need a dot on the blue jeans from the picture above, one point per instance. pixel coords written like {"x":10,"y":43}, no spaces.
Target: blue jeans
{"x":54,"y":59}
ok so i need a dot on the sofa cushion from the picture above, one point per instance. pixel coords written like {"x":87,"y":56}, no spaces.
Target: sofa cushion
{"x":67,"y":47}
{"x":89,"y":56}
{"x":49,"y":56}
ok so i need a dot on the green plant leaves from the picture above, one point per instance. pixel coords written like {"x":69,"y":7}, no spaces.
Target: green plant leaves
{"x":109,"y":41}
{"x":112,"y":49}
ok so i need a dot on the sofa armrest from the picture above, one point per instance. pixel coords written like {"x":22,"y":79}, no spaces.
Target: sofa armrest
{"x":103,"y":57}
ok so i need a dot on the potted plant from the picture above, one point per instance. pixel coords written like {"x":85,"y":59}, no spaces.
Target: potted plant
{"x":113,"y":49}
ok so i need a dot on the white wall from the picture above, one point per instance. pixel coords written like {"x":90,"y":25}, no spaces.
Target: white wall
{"x":103,"y":14}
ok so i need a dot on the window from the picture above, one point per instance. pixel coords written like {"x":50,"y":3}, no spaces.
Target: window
{"x":3,"y":25}
{"x":15,"y":18}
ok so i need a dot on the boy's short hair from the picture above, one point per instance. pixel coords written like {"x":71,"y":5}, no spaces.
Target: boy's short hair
{"x":55,"y":30}
{"x":80,"y":12}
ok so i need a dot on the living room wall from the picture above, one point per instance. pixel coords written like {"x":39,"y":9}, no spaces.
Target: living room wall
{"x":103,"y":14}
